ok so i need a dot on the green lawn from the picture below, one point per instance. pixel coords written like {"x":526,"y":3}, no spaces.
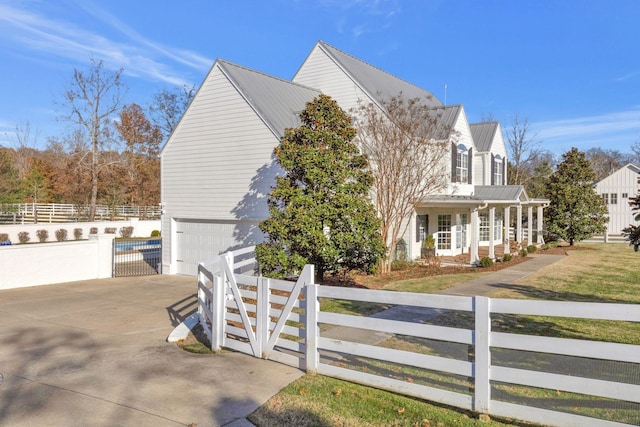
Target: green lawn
{"x":599,"y":273}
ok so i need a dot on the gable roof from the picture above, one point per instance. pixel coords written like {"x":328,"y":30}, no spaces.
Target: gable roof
{"x":446,"y":120}
{"x":278,"y":102}
{"x":378,"y":84}
{"x":483,"y":134}
{"x":630,"y":166}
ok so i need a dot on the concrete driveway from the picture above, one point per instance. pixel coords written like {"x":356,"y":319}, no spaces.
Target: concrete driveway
{"x":94,"y":353}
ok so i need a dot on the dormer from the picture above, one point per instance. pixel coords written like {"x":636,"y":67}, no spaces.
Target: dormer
{"x":490,"y":159}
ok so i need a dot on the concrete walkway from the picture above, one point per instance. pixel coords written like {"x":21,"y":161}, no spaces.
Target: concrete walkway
{"x":94,"y":353}
{"x":481,"y":286}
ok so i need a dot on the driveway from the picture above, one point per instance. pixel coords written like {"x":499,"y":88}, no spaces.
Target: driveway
{"x":94,"y":353}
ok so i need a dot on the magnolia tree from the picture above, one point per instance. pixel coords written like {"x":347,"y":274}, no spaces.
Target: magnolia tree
{"x":319,"y":211}
{"x":407,"y":146}
{"x":576,"y":212}
{"x":632,"y":232}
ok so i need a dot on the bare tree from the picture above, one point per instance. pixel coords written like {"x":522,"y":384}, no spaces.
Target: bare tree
{"x":524,"y":148}
{"x":168,"y":106}
{"x":89,"y":102}
{"x":24,"y":146}
{"x":407,"y":147}
{"x":606,"y":161}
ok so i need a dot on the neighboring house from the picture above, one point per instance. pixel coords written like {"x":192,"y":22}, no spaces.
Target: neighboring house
{"x":218,"y":165}
{"x":616,"y":189}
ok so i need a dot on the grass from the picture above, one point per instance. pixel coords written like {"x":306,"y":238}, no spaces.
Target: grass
{"x":323,"y":401}
{"x":604,"y":273}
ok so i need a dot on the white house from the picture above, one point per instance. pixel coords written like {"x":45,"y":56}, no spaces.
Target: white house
{"x":218,"y":165}
{"x":616,"y":189}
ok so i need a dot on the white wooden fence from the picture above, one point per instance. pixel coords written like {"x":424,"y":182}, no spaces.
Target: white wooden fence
{"x":281,"y":320}
{"x":28,"y":213}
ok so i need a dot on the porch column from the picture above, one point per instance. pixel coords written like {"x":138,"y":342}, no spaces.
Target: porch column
{"x":518,"y":236}
{"x":473,"y":237}
{"x":540,"y":215}
{"x":507,"y":230}
{"x":530,"y":225}
{"x":492,"y":220}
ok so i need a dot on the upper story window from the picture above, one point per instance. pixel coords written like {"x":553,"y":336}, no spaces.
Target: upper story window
{"x":625,"y":195}
{"x":462,"y":164}
{"x":614,"y":198}
{"x":497,"y":169}
{"x":605,"y":198}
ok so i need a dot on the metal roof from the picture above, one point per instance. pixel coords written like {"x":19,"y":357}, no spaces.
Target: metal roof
{"x":501,"y":192}
{"x":493,"y":194}
{"x":278,"y":102}
{"x":377,"y":83}
{"x":446,"y":120}
{"x":483,"y":134}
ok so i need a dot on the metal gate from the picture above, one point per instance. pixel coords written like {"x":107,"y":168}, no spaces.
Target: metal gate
{"x":137,"y":257}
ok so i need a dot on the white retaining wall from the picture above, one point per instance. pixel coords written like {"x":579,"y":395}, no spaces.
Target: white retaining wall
{"x":48,"y":263}
{"x":141,"y":228}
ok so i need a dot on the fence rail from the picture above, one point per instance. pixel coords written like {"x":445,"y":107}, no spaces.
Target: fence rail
{"x":27,"y":213}
{"x":471,"y":367}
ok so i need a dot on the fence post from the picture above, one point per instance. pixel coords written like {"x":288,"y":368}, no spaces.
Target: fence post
{"x":312,"y":329}
{"x":218,"y":307}
{"x":262,"y":315}
{"x":482,"y":363}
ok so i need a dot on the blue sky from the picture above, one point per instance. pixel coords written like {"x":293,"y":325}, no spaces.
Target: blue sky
{"x":571,"y":67}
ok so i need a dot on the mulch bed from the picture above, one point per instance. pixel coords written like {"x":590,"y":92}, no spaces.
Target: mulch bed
{"x":419,"y":271}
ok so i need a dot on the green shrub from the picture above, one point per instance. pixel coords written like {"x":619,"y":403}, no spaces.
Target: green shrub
{"x":401,"y":265}
{"x":486,"y":262}
{"x":4,"y":237}
{"x":61,"y":235}
{"x":77,"y":233}
{"x":126,"y":232}
{"x":43,"y":235}
{"x":93,"y":230}
{"x":155,"y":233}
{"x":524,"y":252}
{"x":507,"y":258}
{"x":110,"y":230}
{"x":23,"y":236}
{"x":553,"y":244}
{"x":532,"y":248}
{"x":545,"y":247}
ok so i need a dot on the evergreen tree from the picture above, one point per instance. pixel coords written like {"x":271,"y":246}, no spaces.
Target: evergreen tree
{"x":632,"y":232}
{"x":576,"y":211}
{"x":320,"y":210}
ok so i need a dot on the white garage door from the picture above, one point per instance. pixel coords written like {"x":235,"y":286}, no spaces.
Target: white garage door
{"x":201,"y":240}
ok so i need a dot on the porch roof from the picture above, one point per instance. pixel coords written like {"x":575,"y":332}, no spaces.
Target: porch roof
{"x":503,"y":195}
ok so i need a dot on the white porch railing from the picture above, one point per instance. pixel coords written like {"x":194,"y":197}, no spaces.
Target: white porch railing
{"x":271,"y":319}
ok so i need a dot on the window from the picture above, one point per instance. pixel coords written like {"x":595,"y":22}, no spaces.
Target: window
{"x":462,"y":164}
{"x":484,"y":227}
{"x":497,"y":226}
{"x":461,"y":231}
{"x":625,"y":195}
{"x":605,"y":198}
{"x":421,"y":227}
{"x":614,"y":198}
{"x":444,"y":231}
{"x":497,"y":170}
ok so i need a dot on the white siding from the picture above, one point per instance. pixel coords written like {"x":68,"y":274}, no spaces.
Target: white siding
{"x":463,"y":136}
{"x":623,"y":181}
{"x":218,"y":163}
{"x":321,"y":72}
{"x":498,"y":147}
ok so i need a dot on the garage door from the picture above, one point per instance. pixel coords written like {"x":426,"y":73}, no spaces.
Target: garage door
{"x":201,"y":240}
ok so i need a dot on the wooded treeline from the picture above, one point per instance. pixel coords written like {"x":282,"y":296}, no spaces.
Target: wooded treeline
{"x":110,"y":154}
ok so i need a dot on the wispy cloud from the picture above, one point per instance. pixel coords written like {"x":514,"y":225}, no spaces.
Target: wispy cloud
{"x":360,"y":17}
{"x":65,"y":40}
{"x":627,"y":76}
{"x":617,"y":130}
